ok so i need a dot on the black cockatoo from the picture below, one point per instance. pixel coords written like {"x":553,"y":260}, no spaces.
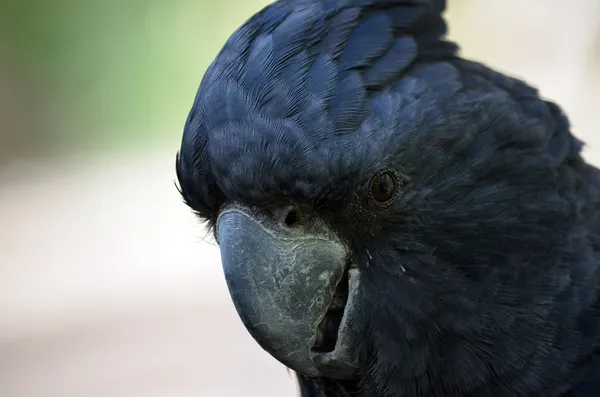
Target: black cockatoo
{"x":394,"y":220}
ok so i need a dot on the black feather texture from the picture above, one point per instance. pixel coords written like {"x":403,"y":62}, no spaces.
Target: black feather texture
{"x":307,"y":72}
{"x":482,"y":280}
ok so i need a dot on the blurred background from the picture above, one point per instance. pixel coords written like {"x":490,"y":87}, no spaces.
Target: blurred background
{"x":108,"y":285}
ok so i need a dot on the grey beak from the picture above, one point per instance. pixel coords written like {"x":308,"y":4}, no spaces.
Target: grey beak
{"x":281,"y":281}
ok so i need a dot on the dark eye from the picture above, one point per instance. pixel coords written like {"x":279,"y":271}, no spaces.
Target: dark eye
{"x":383,"y":187}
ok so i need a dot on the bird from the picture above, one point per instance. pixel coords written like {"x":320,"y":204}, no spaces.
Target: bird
{"x":395,"y":220}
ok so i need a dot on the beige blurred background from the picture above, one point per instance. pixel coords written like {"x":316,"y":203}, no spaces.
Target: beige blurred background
{"x":108,"y":285}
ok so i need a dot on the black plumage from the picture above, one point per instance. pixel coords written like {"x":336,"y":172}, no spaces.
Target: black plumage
{"x":481,"y":277}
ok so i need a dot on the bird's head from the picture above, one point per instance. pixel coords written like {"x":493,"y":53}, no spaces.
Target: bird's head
{"x":378,"y":201}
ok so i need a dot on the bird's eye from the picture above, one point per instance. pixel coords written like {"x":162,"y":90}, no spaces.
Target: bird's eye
{"x":383,"y":187}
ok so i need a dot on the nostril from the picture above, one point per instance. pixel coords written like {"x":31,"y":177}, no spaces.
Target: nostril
{"x":288,"y":216}
{"x":291,"y":218}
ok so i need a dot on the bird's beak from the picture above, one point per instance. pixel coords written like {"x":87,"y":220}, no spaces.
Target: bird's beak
{"x":282,"y":282}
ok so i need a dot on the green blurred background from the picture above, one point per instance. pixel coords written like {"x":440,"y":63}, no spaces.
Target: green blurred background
{"x":108,"y":286}
{"x":98,"y":73}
